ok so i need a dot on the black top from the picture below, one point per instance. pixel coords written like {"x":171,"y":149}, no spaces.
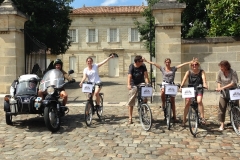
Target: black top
{"x":137,"y":74}
{"x":195,"y":79}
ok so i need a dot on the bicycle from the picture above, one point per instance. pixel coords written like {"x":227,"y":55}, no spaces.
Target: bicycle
{"x":169,"y":90}
{"x":194,"y":118}
{"x":144,"y":111}
{"x":234,"y":109}
{"x":90,"y":108}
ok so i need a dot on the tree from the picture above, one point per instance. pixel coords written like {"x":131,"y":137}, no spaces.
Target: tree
{"x":195,"y":19}
{"x":146,"y":29}
{"x":225,"y":17}
{"x":49,"y":22}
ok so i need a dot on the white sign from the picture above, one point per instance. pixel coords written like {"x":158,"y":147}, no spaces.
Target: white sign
{"x":234,"y":94}
{"x":87,"y":88}
{"x":171,"y":89}
{"x":188,"y":92}
{"x":146,"y":91}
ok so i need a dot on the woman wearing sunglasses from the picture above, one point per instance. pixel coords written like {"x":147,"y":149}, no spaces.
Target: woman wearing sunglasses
{"x":195,"y":76}
{"x":168,"y":74}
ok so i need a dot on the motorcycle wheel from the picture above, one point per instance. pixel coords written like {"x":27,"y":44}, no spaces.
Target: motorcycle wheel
{"x":51,"y":118}
{"x":8,"y":119}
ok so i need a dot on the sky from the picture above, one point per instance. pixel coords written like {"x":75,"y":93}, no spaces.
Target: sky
{"x":90,"y":3}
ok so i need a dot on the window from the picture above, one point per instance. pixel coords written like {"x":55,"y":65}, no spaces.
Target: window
{"x":92,"y":35}
{"x":73,"y":33}
{"x":133,"y":35}
{"x":113,"y":35}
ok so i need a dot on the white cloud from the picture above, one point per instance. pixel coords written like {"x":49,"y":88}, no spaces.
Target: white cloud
{"x":109,"y":2}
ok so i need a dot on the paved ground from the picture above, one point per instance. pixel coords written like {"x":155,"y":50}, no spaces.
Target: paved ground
{"x":113,"y":138}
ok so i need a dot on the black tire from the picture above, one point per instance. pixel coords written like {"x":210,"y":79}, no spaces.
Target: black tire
{"x":51,"y":118}
{"x":145,"y":117}
{"x":168,"y":115}
{"x":8,"y":119}
{"x":193,"y":120}
{"x":100,"y":110}
{"x":235,"y":119}
{"x":88,"y":114}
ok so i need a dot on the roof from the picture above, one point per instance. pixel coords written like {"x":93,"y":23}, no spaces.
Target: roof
{"x":109,"y":10}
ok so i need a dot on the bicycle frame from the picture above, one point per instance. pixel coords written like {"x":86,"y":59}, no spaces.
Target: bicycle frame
{"x":90,"y":107}
{"x":144,"y":111}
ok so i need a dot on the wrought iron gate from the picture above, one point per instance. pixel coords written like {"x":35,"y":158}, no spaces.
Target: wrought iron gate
{"x":35,"y":55}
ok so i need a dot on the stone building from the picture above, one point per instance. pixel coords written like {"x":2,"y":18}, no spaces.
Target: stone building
{"x":100,"y":31}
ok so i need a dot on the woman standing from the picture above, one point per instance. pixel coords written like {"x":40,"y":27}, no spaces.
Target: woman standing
{"x":168,"y":74}
{"x":196,"y":77}
{"x":91,"y":72}
{"x":227,"y":79}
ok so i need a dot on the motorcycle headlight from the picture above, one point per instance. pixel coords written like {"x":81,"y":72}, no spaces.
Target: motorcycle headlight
{"x":50,"y":90}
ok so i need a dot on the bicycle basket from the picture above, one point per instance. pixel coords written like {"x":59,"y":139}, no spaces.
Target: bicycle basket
{"x":146,"y":91}
{"x":188,"y":92}
{"x":234,"y":94}
{"x":170,"y":89}
{"x":87,"y":88}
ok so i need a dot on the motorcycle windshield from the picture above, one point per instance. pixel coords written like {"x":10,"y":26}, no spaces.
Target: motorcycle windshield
{"x":26,"y":88}
{"x":54,"y":78}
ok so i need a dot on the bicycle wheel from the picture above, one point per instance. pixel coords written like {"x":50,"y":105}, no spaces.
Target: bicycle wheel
{"x":100,"y":109}
{"x":168,"y":114}
{"x":193,"y":120}
{"x":88,"y":114}
{"x":235,"y":119}
{"x":145,"y":117}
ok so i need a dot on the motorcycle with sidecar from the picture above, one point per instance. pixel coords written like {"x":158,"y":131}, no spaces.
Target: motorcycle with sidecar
{"x":24,"y":98}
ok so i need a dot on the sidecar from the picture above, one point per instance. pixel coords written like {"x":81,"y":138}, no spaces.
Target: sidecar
{"x":25,"y":100}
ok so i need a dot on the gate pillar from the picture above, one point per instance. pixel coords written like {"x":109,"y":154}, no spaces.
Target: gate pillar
{"x":167,"y":14}
{"x":12,"y":57}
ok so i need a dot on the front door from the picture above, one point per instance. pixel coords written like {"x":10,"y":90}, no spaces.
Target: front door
{"x":113,"y":67}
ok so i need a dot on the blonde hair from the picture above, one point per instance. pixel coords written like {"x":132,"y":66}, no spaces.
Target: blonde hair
{"x":195,"y":61}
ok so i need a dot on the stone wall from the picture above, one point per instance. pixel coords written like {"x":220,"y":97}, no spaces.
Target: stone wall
{"x":210,"y":51}
{"x":12,"y":63}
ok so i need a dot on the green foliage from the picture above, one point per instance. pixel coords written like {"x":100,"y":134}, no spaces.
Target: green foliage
{"x":147,"y":29}
{"x":195,"y":19}
{"x":225,"y":17}
{"x":49,"y":22}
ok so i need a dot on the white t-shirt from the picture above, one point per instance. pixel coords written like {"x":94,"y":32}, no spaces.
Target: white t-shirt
{"x":92,"y":74}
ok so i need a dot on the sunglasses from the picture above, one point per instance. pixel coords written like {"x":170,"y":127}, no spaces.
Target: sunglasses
{"x":194,"y":64}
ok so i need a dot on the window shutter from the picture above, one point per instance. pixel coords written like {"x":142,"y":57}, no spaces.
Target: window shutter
{"x":108,"y":35}
{"x":96,"y":35}
{"x":118,"y":35}
{"x":129,"y":34}
{"x":139,"y":35}
{"x":87,"y":40}
{"x":76,"y":36}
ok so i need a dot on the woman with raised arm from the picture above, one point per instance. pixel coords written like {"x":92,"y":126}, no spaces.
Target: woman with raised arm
{"x":91,"y":72}
{"x":227,"y":79}
{"x":168,"y":74}
{"x":195,"y":76}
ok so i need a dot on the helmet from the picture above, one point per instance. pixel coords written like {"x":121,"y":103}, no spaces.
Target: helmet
{"x":33,"y":80}
{"x":58,"y":61}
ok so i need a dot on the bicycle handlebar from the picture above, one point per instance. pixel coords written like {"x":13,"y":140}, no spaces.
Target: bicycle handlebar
{"x":160,"y":84}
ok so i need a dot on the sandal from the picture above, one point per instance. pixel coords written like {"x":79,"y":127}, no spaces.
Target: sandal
{"x":130,"y":121}
{"x":175,"y":120}
{"x":184,"y":123}
{"x":203,"y":121}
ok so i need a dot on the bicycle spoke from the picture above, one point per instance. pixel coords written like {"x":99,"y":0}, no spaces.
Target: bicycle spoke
{"x":88,"y":114}
{"x":235,"y":119}
{"x":145,"y":117}
{"x":168,"y":114}
{"x":193,"y":120}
